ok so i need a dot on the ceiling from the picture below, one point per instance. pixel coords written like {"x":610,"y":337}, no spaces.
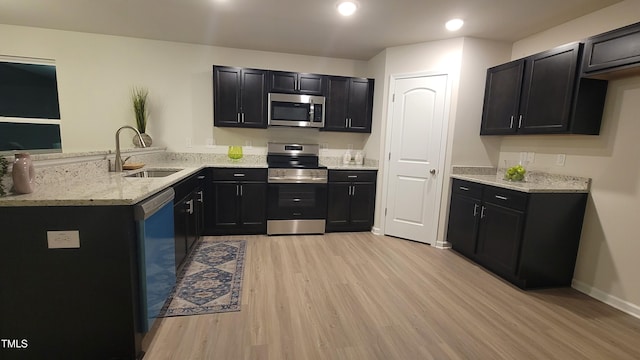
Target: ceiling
{"x":309,"y":27}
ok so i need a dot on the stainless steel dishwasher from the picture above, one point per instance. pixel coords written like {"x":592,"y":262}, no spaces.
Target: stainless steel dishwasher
{"x":156,"y":254}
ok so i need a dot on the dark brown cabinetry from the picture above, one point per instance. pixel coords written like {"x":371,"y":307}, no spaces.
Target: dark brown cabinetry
{"x":296,"y":83}
{"x":351,"y":200}
{"x":239,"y":97}
{"x":239,"y":201}
{"x":614,"y":51}
{"x":188,"y":212}
{"x":543,"y":94}
{"x":349,"y":104}
{"x":529,"y":239}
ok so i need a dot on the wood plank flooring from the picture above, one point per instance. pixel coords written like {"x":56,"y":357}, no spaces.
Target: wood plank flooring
{"x":361,"y":296}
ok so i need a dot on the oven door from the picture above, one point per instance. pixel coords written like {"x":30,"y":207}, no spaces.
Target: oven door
{"x":297,"y":201}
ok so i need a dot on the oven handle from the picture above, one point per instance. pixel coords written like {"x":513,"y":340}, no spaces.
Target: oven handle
{"x":311,"y":180}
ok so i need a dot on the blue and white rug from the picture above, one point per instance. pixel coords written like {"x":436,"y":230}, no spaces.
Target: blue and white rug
{"x":210,"y":281}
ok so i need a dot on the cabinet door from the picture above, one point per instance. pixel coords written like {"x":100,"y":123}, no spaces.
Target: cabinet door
{"x":502,"y":98}
{"x":284,"y":82}
{"x":336,"y":104}
{"x":226,"y":95}
{"x":181,"y":228}
{"x":338,"y":206}
{"x":226,"y":211}
{"x":499,"y":238}
{"x":253,"y":199}
{"x":311,"y":84}
{"x":464,"y":216}
{"x":547,"y":95}
{"x":614,"y":50}
{"x":362,"y":206}
{"x":254,"y":98}
{"x":359,"y":106}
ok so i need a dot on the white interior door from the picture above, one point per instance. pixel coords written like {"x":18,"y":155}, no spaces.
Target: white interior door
{"x":417,"y":118}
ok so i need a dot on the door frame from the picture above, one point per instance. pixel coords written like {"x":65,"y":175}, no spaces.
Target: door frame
{"x":443,"y":154}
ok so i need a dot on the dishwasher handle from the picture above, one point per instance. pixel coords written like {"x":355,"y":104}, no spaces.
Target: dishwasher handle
{"x":144,"y":209}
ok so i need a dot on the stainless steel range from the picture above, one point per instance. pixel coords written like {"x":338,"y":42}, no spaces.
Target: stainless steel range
{"x":297,"y":190}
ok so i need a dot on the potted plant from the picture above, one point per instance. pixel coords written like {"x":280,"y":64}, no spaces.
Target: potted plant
{"x":140,"y":110}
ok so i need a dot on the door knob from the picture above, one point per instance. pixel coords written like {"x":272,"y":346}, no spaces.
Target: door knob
{"x":432,"y":171}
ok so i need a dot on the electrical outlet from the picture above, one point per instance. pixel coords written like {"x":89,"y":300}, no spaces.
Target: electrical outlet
{"x":63,"y":239}
{"x":209,"y":142}
{"x":561,"y":159}
{"x":523,"y":157}
{"x":350,"y":146}
{"x":247,"y":144}
{"x":188,"y":142}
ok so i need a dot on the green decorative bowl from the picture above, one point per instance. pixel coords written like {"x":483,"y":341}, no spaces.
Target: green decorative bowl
{"x":235,"y":152}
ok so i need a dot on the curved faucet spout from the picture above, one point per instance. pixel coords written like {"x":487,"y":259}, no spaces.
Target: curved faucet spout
{"x":118,"y":161}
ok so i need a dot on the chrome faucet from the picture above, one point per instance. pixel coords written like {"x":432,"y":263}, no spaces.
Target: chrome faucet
{"x":118,"y":161}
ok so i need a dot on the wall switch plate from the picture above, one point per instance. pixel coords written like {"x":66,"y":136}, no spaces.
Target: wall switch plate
{"x":63,"y":239}
{"x":561,"y":159}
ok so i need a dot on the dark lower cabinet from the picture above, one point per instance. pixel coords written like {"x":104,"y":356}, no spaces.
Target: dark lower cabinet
{"x":188,"y":212}
{"x":239,"y":201}
{"x":529,"y":239}
{"x":351,"y":200}
{"x":70,"y":303}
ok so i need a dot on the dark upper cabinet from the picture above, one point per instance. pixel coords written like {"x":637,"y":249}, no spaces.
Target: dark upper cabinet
{"x":616,"y":51}
{"x":543,"y":94}
{"x":351,"y":200}
{"x":239,"y":97}
{"x":529,"y":239}
{"x":296,"y":83}
{"x":349,"y":104}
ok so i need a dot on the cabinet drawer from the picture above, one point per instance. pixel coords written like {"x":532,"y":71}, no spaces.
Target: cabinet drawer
{"x":239,"y":174}
{"x":352,"y":175}
{"x":504,"y":197}
{"x":467,"y":188}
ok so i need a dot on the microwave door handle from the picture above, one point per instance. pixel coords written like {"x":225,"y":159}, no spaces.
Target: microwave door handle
{"x":311,"y":112}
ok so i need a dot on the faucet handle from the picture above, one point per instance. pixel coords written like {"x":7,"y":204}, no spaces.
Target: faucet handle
{"x":125,"y":159}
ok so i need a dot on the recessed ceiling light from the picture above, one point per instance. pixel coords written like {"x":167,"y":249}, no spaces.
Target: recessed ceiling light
{"x":454,"y":24}
{"x":347,"y":8}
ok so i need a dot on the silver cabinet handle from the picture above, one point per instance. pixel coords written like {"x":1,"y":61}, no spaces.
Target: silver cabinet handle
{"x":189,"y":206}
{"x":353,"y":192}
{"x":237,"y":190}
{"x":464,"y":188}
{"x":200,"y":196}
{"x":511,"y":123}
{"x":475,"y":210}
{"x":200,"y":177}
{"x":238,"y":118}
{"x":243,"y":118}
{"x":350,"y":121}
{"x":240,"y":190}
{"x":352,"y":176}
{"x":502,"y":197}
{"x":346,"y":122}
{"x":520,"y":121}
{"x":238,"y":175}
{"x":482,"y":212}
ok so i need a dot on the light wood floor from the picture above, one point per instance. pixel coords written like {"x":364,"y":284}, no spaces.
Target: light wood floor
{"x":360,"y":296}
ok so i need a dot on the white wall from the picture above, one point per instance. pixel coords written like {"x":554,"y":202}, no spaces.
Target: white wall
{"x":97,"y":72}
{"x":607,"y":265}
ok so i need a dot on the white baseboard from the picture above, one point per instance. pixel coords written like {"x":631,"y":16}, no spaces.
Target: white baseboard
{"x":622,"y":305}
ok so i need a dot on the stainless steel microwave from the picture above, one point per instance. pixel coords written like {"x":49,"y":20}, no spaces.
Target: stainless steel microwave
{"x":296,"y":110}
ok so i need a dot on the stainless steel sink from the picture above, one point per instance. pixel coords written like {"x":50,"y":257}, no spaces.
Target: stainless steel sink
{"x":153,"y":173}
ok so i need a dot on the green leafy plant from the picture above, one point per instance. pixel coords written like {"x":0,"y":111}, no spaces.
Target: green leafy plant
{"x":4,"y":168}
{"x":139,"y":97}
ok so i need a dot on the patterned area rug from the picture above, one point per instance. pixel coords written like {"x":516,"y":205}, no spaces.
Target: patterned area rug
{"x":210,"y":281}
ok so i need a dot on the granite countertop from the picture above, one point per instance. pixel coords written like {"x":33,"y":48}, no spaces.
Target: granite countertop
{"x":535,"y":182}
{"x":96,"y":186}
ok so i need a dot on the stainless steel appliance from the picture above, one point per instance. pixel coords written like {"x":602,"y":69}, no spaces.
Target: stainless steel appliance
{"x":297,"y":190}
{"x":296,"y":110}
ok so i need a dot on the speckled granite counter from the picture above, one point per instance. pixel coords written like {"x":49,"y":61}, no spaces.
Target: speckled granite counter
{"x":90,"y":182}
{"x":535,"y":182}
